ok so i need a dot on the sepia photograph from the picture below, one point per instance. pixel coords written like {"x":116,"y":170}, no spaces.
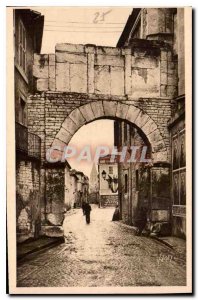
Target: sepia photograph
{"x":99,"y":108}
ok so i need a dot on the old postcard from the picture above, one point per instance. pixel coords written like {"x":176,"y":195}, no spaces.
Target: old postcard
{"x":99,"y":197}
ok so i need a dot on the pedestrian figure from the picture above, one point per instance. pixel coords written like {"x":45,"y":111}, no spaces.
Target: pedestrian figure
{"x":87,"y":209}
{"x":83,"y":207}
{"x":116,"y":215}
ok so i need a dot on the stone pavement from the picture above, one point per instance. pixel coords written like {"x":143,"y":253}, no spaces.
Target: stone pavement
{"x":102,"y":254}
{"x":31,"y":246}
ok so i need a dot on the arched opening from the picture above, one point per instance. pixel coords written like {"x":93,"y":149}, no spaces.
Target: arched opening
{"x":132,"y":128}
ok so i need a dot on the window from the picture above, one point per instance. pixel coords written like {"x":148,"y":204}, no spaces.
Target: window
{"x":126,"y":183}
{"x":137,"y":179}
{"x":22,"y":111}
{"x":179,"y":167}
{"x":110,"y":170}
{"x":22,"y":46}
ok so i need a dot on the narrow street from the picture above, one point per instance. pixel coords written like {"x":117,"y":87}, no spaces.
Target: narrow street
{"x":102,"y":253}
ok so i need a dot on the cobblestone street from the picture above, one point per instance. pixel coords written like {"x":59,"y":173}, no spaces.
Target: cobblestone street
{"x":102,"y":253}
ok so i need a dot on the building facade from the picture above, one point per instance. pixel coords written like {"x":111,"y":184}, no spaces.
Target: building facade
{"x":28,"y":30}
{"x":162,"y":187}
{"x":108,"y":181}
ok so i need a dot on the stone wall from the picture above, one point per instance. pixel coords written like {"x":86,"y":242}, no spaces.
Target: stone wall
{"x":134,"y":71}
{"x":47,"y":111}
{"x":27,"y":198}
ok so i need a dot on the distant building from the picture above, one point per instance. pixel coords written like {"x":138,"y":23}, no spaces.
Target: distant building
{"x":94,"y":184}
{"x":150,"y":187}
{"x":108,"y":181}
{"x":82,"y":187}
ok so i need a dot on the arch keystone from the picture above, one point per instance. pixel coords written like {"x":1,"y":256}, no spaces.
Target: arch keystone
{"x":110,"y":108}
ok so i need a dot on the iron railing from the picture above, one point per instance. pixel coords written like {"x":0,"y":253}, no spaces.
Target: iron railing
{"x":27,"y":142}
{"x":21,"y":133}
{"x":34,"y":145}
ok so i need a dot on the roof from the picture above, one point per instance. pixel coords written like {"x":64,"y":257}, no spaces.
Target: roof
{"x":127,"y":29}
{"x":36,"y":21}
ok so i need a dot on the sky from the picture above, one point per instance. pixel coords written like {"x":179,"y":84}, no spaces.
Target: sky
{"x":90,"y":135}
{"x":82,"y":25}
{"x":85,"y":25}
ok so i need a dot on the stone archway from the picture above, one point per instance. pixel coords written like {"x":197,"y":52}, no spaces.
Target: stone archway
{"x":116,"y":110}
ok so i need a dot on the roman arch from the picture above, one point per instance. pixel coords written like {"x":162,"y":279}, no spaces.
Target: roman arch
{"x":83,"y":83}
{"x":117,"y":110}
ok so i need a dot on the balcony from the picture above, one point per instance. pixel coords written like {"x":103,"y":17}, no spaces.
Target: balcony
{"x":26,"y":142}
{"x":21,"y":136}
{"x":34,"y":145}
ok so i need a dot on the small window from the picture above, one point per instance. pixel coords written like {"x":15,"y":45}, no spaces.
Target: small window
{"x":22,"y":112}
{"x":126,"y":183}
{"x":22,"y":46}
{"x":125,"y":132}
{"x":137,"y":180}
{"x":110,"y":170}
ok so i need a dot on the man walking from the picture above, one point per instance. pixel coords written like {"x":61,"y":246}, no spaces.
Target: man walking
{"x":87,"y":210}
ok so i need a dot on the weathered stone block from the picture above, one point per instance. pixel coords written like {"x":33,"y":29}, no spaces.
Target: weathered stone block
{"x":87,"y":112}
{"x":78,"y":78}
{"x":64,"y":135}
{"x":51,"y":59}
{"x":163,"y":90}
{"x":40,"y":72}
{"x":97,"y":108}
{"x":164,"y":55}
{"x":149,"y":126}
{"x":69,"y":125}
{"x":71,"y":58}
{"x":62,"y":77}
{"x":160,"y":156}
{"x":171,"y":91}
{"x":52,"y":84}
{"x":77,"y":117}
{"x":109,"y":60}
{"x":110,"y":108}
{"x":163,"y":78}
{"x":145,"y":62}
{"x":41,"y":59}
{"x":42,"y":85}
{"x":102,"y":80}
{"x":141,"y":119}
{"x":117,"y":81}
{"x":132,"y":113}
{"x":107,"y":50}
{"x":73,"y":48}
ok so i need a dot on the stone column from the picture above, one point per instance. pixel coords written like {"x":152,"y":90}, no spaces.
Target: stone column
{"x":160,"y":192}
{"x":127,"y":71}
{"x":90,"y":50}
{"x":54,"y":200}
